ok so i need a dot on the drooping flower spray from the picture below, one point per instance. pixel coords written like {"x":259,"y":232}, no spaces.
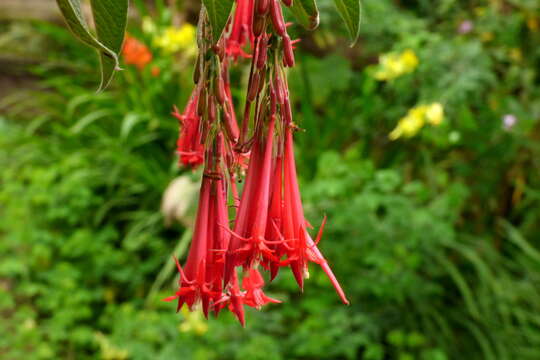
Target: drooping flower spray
{"x":262,"y":228}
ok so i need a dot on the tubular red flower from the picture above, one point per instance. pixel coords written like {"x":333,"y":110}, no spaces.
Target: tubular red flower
{"x":304,"y":249}
{"x":193,"y":284}
{"x":201,"y":278}
{"x":270,"y":229}
{"x":253,"y":284}
{"x":242,"y":29}
{"x":190,"y":142}
{"x":248,"y":245}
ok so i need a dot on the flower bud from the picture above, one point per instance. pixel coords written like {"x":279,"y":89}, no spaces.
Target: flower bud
{"x":286,"y":111}
{"x":219,"y":89}
{"x":253,"y":87}
{"x":201,"y":104}
{"x":280,"y":93}
{"x":277,"y":17}
{"x":197,"y":71}
{"x":288,"y":53}
{"x":230,"y":129}
{"x":261,"y":82}
{"x":211,"y":109}
{"x":262,"y":52}
{"x":287,"y":3}
{"x":258,"y":24}
{"x":273,"y":101}
{"x":263,"y":6}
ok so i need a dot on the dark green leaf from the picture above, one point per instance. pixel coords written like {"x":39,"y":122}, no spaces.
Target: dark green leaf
{"x":306,"y":13}
{"x":218,"y":14}
{"x":110,"y":17}
{"x":350,"y":11}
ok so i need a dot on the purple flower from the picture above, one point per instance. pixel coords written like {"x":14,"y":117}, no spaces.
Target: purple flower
{"x":465,"y":27}
{"x":509,"y":120}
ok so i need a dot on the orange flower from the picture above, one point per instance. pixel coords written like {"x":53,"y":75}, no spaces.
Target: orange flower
{"x":136,"y":53}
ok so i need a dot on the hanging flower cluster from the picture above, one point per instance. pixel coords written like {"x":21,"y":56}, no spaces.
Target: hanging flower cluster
{"x":264,"y":228}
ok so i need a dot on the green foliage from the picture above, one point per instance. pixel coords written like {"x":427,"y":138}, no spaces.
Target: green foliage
{"x":306,"y":13}
{"x":350,"y":12}
{"x":110,"y":18}
{"x":218,"y":14}
{"x":435,"y":237}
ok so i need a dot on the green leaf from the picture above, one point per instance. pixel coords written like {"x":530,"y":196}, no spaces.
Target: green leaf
{"x":306,"y":13}
{"x":350,"y":11}
{"x":218,"y":14}
{"x":110,"y":17}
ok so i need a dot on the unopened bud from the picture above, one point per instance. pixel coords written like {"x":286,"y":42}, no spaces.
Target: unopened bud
{"x":201,"y":104}
{"x":211,"y":109}
{"x":263,"y":6}
{"x":262,"y":53}
{"x":258,"y":24}
{"x":253,"y":87}
{"x":219,"y":89}
{"x":280,"y":93}
{"x":197,"y":71}
{"x":273,"y":101}
{"x":288,"y":53}
{"x":287,"y":112}
{"x":230,"y":127}
{"x":277,"y":17}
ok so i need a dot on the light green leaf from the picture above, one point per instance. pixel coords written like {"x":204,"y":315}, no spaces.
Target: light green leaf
{"x":350,"y":11}
{"x":110,"y":17}
{"x":88,"y":119}
{"x":218,"y":14}
{"x":306,"y":13}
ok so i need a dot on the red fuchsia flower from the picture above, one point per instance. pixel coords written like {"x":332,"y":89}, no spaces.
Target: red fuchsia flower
{"x":248,"y":244}
{"x":136,"y":53}
{"x":304,"y":249}
{"x":270,"y":228}
{"x":274,"y":226}
{"x":190,"y":145}
{"x":252,"y":295}
{"x":242,"y":29}
{"x":201,"y":278}
{"x":234,"y":298}
{"x":194,"y":286}
{"x":253,"y":284}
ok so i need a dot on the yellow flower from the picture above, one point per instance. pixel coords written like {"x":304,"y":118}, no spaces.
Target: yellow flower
{"x":435,"y":114}
{"x":409,"y":125}
{"x":194,"y":322}
{"x":394,"y":65}
{"x":175,"y":39}
{"x":416,"y":118}
{"x":409,"y":59}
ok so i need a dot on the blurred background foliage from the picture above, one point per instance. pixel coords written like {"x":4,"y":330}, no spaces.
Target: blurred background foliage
{"x":421,"y":145}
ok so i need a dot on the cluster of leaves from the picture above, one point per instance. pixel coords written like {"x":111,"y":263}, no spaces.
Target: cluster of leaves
{"x":110,"y":18}
{"x":435,"y":238}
